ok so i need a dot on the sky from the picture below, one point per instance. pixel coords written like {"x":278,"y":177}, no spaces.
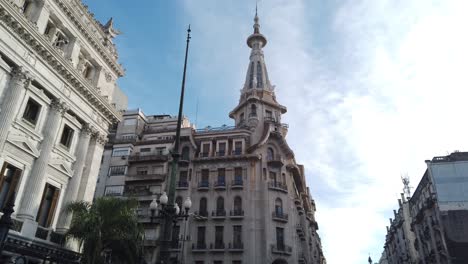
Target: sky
{"x":373,"y":89}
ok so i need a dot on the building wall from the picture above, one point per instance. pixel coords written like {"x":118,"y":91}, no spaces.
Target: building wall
{"x":44,"y":93}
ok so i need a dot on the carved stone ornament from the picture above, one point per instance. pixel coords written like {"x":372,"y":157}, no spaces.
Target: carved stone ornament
{"x":59,"y":105}
{"x":100,"y":138}
{"x":20,"y":75}
{"x":88,"y":129}
{"x":108,"y":76}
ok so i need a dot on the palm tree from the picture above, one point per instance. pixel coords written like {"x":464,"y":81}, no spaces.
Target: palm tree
{"x":107,"y":225}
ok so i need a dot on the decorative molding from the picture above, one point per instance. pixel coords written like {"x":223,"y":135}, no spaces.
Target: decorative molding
{"x":59,"y":106}
{"x":100,"y":138}
{"x":27,"y":31}
{"x":21,"y":76}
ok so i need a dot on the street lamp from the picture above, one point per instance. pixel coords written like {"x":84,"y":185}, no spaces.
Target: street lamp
{"x":169,"y":211}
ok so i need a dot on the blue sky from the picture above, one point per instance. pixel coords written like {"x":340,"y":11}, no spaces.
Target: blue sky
{"x":373,"y":88}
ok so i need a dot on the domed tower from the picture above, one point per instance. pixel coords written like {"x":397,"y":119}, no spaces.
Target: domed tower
{"x":257,"y":107}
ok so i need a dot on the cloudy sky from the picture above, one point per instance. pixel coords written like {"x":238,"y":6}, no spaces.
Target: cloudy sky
{"x":373,"y":88}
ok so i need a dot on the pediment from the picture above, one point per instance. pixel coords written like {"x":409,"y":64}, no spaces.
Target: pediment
{"x":25,"y":144}
{"x":62,"y":167}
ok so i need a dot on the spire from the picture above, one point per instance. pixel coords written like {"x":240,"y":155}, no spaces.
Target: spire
{"x":256,"y":37}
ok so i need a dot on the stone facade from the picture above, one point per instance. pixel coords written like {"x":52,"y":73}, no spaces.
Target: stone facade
{"x":438,"y":215}
{"x":250,"y":200}
{"x":58,"y":98}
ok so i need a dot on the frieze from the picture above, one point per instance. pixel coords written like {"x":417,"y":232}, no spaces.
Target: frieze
{"x":51,"y":56}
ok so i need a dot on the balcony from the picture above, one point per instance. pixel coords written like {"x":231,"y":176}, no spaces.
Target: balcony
{"x":217,"y":247}
{"x":199,"y":247}
{"x":280,"y":217}
{"x":182,"y":185}
{"x":145,"y":177}
{"x":278,"y":186}
{"x":201,"y":216}
{"x":236,"y":152}
{"x":203,"y":186}
{"x":137,"y":157}
{"x":281,"y":249}
{"x":297,"y":201}
{"x":220,"y":185}
{"x":236,"y":214}
{"x":275,"y":161}
{"x":236,"y":246}
{"x":301,"y":259}
{"x":300,"y":232}
{"x":50,"y":235}
{"x":203,"y":154}
{"x":221,"y":154}
{"x":238,"y":183}
{"x":218,"y":214}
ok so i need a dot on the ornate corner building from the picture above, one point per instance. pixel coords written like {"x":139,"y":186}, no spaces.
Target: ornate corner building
{"x":251,"y":203}
{"x":58,"y":98}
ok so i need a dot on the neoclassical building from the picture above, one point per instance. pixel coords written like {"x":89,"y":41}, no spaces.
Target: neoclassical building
{"x":58,"y":97}
{"x":251,"y":203}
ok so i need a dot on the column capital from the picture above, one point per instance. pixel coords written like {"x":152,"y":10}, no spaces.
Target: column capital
{"x":19,"y":74}
{"x":59,"y":106}
{"x":88,"y":129}
{"x":100,"y":138}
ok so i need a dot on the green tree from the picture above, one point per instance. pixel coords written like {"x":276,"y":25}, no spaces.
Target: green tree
{"x":107,"y":225}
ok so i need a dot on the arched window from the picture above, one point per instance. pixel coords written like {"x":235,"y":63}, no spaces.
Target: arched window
{"x":203,"y":207}
{"x":251,"y":75}
{"x":270,"y":154}
{"x":220,"y":204}
{"x":259,"y":75}
{"x":278,"y":207}
{"x":185,"y":153}
{"x":178,"y":201}
{"x":237,"y":204}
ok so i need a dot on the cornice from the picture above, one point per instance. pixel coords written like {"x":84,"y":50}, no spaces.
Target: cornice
{"x":90,"y":36}
{"x":27,"y":32}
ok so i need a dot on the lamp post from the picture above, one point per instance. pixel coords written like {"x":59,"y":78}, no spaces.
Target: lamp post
{"x":164,"y":211}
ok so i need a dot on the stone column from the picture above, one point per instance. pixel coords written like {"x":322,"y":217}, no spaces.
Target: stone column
{"x":75,"y":181}
{"x":91,"y":170}
{"x":10,"y":103}
{"x":35,"y":184}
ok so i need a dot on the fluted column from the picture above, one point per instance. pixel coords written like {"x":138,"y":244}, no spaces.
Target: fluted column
{"x":74,"y":183}
{"x":91,"y":170}
{"x":9,"y":105}
{"x":34,"y":186}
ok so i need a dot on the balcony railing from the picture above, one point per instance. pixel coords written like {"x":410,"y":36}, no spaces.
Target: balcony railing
{"x":281,"y":249}
{"x":218,"y":214}
{"x":199,"y":247}
{"x":236,"y":214}
{"x":204,"y":154}
{"x":145,"y":177}
{"x":159,"y":156}
{"x":237,"y":183}
{"x":220,"y":153}
{"x":203,"y":185}
{"x":275,"y":161}
{"x":201,"y":216}
{"x":42,"y":233}
{"x":218,"y":246}
{"x":182,"y":185}
{"x":236,"y":246}
{"x":278,"y":186}
{"x":220,"y":185}
{"x":17,"y":225}
{"x":280,"y":216}
{"x":236,"y":152}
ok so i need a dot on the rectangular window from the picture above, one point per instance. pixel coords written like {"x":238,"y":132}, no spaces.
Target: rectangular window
{"x":237,"y":147}
{"x":9,"y":181}
{"x":45,"y":215}
{"x":273,"y":176}
{"x":238,"y":174}
{"x":161,"y":151}
{"x":205,"y":175}
{"x":221,"y":176}
{"x":67,"y":136}
{"x":222,"y":149}
{"x":114,"y":190}
{"x":118,"y":152}
{"x":142,"y":170}
{"x":237,"y":237}
{"x":219,"y":241}
{"x":268,"y":114}
{"x":201,"y":237}
{"x":280,"y":238}
{"x":31,"y":112}
{"x":183,"y":176}
{"x":117,"y":170}
{"x":145,"y":150}
{"x":158,"y":169}
{"x":205,"y":150}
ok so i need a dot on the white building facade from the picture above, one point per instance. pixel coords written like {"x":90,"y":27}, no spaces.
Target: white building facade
{"x":250,"y":200}
{"x":58,"y":97}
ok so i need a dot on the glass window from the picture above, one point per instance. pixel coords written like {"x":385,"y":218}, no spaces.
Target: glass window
{"x":237,"y":204}
{"x":203,"y":207}
{"x":278,"y":207}
{"x":186,"y":153}
{"x":221,"y":176}
{"x":205,"y":149}
{"x":201,"y":237}
{"x":270,"y":154}
{"x":219,"y":232}
{"x":145,"y":150}
{"x":259,"y":75}
{"x":142,"y":170}
{"x":114,"y":190}
{"x":205,"y":173}
{"x":238,"y":174}
{"x":251,"y":75}
{"x":183,"y":176}
{"x":238,"y":147}
{"x":67,"y":136}
{"x":9,"y":181}
{"x":48,"y":205}
{"x":222,"y":149}
{"x":31,"y":112}
{"x":118,"y":152}
{"x":117,"y":170}
{"x":237,"y":236}
{"x":220,"y":204}
{"x":280,"y":238}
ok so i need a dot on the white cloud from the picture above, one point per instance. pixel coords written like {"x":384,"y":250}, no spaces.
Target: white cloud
{"x":392,"y":94}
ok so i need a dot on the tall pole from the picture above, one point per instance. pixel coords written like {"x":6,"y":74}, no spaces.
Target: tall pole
{"x":166,"y":228}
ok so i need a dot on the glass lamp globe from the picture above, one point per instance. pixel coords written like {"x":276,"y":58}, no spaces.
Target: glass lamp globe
{"x":177,"y":209}
{"x":153,"y":205}
{"x":163,"y":199}
{"x":187,"y":203}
